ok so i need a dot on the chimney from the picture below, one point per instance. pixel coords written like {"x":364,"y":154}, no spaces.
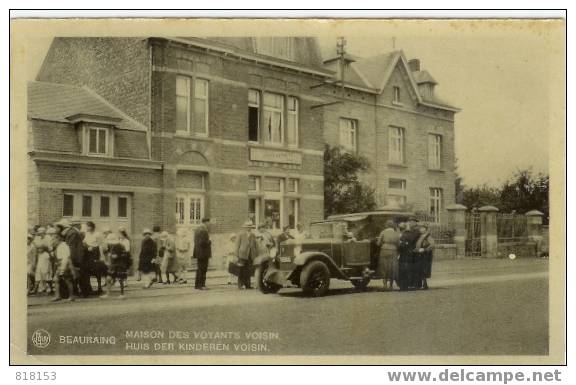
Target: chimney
{"x":414,"y":65}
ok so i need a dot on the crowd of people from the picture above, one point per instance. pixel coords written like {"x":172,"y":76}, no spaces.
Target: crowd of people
{"x":406,"y":254}
{"x":62,"y":258}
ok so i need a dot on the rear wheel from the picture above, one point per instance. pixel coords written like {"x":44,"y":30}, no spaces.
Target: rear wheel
{"x":360,"y":284}
{"x":315,"y":279}
{"x":265,"y":286}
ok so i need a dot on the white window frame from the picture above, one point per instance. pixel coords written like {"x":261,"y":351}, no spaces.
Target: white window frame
{"x":296,"y":203}
{"x":128,"y":208}
{"x":190,"y":94}
{"x":88,"y":130}
{"x":396,"y":143}
{"x":281,"y":110}
{"x":348,"y":129}
{"x":100,"y":206}
{"x":258,"y":106}
{"x":434,"y":151}
{"x":73,"y":204}
{"x":296,"y":185}
{"x":257,"y":209}
{"x":295,"y":113}
{"x":92,"y":208}
{"x":397,"y":192}
{"x":397,"y":95}
{"x":435,"y":203}
{"x":187,"y":198}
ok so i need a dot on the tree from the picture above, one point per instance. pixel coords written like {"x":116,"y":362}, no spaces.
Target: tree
{"x":476,"y":197}
{"x":343,"y":191}
{"x":524,"y":192}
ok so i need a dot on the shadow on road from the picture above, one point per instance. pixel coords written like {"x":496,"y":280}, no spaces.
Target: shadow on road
{"x":353,"y":291}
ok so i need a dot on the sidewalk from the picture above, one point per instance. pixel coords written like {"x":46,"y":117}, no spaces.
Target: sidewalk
{"x":217,"y":280}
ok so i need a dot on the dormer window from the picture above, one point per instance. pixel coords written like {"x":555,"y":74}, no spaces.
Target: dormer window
{"x":97,"y":141}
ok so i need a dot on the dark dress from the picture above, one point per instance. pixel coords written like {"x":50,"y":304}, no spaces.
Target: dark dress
{"x":120,"y":261}
{"x":409,"y":270}
{"x":427,"y":243}
{"x":148,"y":252}
{"x":202,"y":253}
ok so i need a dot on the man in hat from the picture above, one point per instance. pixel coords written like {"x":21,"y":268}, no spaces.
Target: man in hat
{"x":65,"y":272}
{"x":245,"y":253}
{"x":73,"y":239}
{"x":202,"y":252}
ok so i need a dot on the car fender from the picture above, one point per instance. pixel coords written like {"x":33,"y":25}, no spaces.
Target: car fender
{"x":307,"y":256}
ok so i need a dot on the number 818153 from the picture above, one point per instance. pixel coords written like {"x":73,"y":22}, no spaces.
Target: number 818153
{"x":35,"y":376}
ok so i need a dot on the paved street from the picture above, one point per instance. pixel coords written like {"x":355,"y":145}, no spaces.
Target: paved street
{"x":478,"y":307}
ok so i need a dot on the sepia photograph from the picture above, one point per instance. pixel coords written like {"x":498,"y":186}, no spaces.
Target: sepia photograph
{"x":289,"y":191}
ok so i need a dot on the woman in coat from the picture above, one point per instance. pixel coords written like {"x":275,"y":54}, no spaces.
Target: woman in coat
{"x":425,"y":250}
{"x":148,"y":252}
{"x":170,"y":263}
{"x":388,"y":261}
{"x":120,"y":263}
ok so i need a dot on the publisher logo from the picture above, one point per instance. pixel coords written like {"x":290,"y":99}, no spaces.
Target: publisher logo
{"x":41,"y":338}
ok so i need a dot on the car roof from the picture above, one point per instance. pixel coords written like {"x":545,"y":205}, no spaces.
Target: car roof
{"x":363,"y":215}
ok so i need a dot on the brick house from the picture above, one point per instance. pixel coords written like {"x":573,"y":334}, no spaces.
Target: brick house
{"x":388,"y":111}
{"x":164,"y":131}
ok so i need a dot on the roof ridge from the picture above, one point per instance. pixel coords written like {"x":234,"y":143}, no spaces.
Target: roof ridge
{"x":116,"y":109}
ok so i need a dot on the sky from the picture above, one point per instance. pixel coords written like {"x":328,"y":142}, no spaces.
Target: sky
{"x":499,"y":80}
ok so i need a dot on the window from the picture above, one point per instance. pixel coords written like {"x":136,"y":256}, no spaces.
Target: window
{"x":273,"y":184}
{"x":97,"y":141}
{"x":434,"y":151}
{"x":189,"y":209}
{"x":254,"y":211}
{"x":273,"y":118}
{"x":293,"y":206}
{"x":348,"y":134}
{"x":86,"y":205}
{"x":192,"y":105}
{"x":253,"y":115}
{"x":292,"y":122}
{"x":68,"y":205}
{"x":396,"y":145}
{"x":104,"y":206}
{"x":396,"y":195}
{"x":253,"y":183}
{"x":122,"y":207}
{"x":435,"y":203}
{"x":397,"y":96}
{"x":292,"y":185}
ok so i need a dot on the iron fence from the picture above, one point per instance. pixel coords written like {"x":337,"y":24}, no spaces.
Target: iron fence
{"x":511,"y":227}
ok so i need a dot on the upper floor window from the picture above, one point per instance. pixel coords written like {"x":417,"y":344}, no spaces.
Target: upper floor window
{"x":397,"y":95}
{"x":348,"y":134}
{"x":396,"y":192}
{"x":434,"y":151}
{"x":97,"y":141}
{"x":192,"y":105}
{"x":292,"y":122}
{"x":273,"y":118}
{"x":396,"y":145}
{"x":253,"y":115}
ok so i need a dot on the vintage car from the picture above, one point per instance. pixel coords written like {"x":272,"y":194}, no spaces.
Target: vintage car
{"x":342,"y":247}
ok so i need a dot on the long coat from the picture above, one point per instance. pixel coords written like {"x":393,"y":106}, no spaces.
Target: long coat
{"x":246,"y":249}
{"x":73,"y":239}
{"x":169,"y":261}
{"x":202,"y":244}
{"x":148,"y":252}
{"x":388,"y":261}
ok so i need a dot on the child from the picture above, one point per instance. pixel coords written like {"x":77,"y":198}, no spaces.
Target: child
{"x":120,"y":262}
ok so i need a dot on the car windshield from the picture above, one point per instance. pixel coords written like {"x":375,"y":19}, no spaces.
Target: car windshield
{"x":323,"y":230}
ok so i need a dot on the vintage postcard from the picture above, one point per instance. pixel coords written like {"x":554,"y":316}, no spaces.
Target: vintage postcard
{"x":304,"y":191}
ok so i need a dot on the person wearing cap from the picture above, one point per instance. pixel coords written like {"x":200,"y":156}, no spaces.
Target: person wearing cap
{"x":44,"y":271}
{"x":73,"y":239}
{"x":148,"y":251}
{"x":388,"y":262}
{"x":120,"y":262}
{"x":202,"y":253}
{"x":246,"y":252}
{"x":65,"y":272}
{"x":169,"y":261}
{"x":93,"y":253}
{"x":31,"y":260}
{"x":283,"y":237}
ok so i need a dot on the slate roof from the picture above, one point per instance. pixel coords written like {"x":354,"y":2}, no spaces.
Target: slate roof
{"x":423,"y":77}
{"x":57,"y":102}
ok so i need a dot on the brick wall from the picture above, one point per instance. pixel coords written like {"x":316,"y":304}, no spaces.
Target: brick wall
{"x":115,"y":68}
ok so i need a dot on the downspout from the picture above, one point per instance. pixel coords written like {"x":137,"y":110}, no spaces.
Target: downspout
{"x":149,"y":132}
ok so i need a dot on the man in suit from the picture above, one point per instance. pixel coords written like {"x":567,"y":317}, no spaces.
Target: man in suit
{"x":75,"y":242}
{"x":245,"y":253}
{"x":202,"y":252}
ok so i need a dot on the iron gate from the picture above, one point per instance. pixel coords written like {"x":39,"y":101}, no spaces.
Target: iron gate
{"x":473,"y":240}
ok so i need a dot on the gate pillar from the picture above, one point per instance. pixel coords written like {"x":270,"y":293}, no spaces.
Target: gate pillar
{"x":457,"y":216}
{"x":534,"y":227}
{"x":489,"y":232}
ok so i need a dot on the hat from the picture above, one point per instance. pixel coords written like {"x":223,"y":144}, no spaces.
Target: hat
{"x":51,"y":231}
{"x":121,"y":228}
{"x":248,"y":225}
{"x":146,"y":231}
{"x":63,"y":222}
{"x":40,"y":230}
{"x":164,"y":235}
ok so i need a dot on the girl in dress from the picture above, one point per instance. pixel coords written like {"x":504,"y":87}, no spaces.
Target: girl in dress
{"x":44,"y":271}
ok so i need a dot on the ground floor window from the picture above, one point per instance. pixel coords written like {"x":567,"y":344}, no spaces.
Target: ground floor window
{"x":435,"y":203}
{"x":189,"y":209}
{"x":272,"y":213}
{"x":274,"y":202}
{"x":293,"y":208}
{"x":104,"y":208}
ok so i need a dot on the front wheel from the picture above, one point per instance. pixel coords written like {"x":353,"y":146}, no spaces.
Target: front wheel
{"x":315,"y":279}
{"x":265,"y":286}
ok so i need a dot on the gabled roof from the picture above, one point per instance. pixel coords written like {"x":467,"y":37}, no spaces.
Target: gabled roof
{"x":64,"y":103}
{"x":423,"y":77}
{"x":377,"y":69}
